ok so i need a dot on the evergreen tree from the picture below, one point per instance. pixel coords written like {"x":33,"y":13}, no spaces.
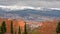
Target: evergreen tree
{"x":25,"y":29}
{"x":19,"y":31}
{"x":11,"y":27}
{"x":58,"y":28}
{"x":1,"y":30}
{"x":3,"y":27}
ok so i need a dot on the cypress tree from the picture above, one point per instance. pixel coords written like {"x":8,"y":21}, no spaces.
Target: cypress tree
{"x":19,"y":31}
{"x":25,"y":29}
{"x":11,"y":27}
{"x":1,"y":30}
{"x":3,"y":27}
{"x":58,"y":28}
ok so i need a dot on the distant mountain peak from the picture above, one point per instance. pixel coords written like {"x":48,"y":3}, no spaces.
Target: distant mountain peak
{"x":26,"y":7}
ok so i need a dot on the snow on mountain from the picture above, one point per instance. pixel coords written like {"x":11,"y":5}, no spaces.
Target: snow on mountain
{"x":18,"y":7}
{"x":29,"y":13}
{"x":26,"y":7}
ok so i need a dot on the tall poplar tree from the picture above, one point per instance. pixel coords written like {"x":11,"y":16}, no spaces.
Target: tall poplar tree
{"x":11,"y":30}
{"x":58,"y":28}
{"x":19,"y":31}
{"x":25,"y":29}
{"x":1,"y":30}
{"x":3,"y":27}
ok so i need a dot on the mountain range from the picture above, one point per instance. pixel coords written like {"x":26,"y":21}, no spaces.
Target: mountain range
{"x":30,"y":13}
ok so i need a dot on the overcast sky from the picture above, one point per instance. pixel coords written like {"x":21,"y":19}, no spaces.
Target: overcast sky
{"x":34,"y":3}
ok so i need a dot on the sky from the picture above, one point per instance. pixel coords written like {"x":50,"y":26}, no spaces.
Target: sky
{"x":33,"y":3}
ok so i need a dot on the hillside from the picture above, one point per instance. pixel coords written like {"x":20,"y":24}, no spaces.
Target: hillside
{"x":42,"y":27}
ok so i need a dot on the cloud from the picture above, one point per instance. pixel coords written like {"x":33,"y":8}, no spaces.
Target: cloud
{"x":35,"y":3}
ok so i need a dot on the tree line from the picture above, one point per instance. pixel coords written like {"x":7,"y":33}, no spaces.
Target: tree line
{"x":3,"y":28}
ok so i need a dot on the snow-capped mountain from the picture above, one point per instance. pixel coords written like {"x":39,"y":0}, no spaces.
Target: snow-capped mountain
{"x":26,"y":7}
{"x":29,"y":13}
